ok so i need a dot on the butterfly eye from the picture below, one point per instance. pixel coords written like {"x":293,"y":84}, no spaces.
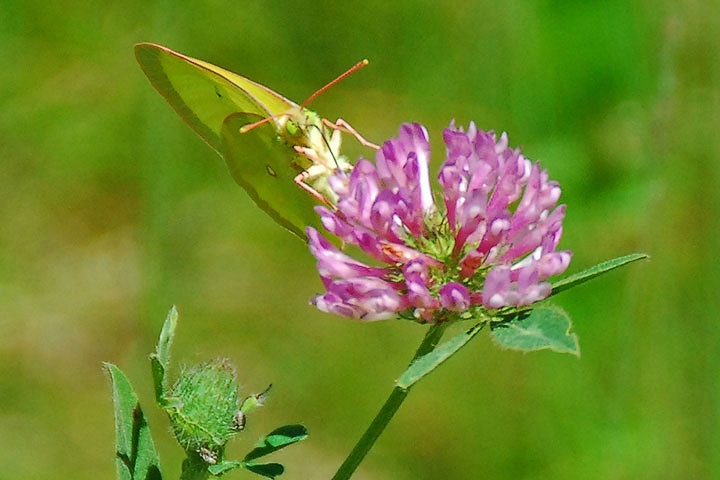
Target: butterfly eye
{"x":292,"y":128}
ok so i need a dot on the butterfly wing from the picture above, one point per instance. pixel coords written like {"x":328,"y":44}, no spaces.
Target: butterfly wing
{"x":204,"y":94}
{"x":260,"y":162}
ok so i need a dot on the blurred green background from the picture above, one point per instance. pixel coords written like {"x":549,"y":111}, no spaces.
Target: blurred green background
{"x":111,"y":210}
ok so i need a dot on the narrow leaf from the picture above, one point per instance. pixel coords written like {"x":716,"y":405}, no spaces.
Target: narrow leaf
{"x":160,"y":359}
{"x":427,"y":363}
{"x":135,"y":454}
{"x":277,"y":439}
{"x":224,"y":467}
{"x":267,"y":470}
{"x":542,"y":327}
{"x":592,"y":272}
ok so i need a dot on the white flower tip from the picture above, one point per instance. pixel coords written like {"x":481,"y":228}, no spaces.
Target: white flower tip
{"x":496,"y":301}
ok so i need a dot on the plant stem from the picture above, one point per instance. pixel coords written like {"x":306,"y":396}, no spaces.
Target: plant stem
{"x":194,"y":468}
{"x":388,"y":410}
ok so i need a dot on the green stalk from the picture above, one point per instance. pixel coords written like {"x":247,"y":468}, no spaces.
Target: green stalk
{"x":194,"y":468}
{"x":388,"y":410}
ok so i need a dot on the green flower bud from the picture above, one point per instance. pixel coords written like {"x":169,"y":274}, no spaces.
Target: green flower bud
{"x":203,"y":417}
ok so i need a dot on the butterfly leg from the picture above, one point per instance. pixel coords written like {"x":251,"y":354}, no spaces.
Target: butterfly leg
{"x":304,"y":175}
{"x":342,"y":125}
{"x":300,"y":181}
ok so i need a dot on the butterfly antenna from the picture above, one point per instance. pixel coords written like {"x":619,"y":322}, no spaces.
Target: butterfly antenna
{"x":250,"y":126}
{"x":352,"y":69}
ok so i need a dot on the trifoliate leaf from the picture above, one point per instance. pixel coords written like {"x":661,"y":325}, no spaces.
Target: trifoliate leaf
{"x":224,"y":467}
{"x":277,"y":439}
{"x":597,"y":270}
{"x":540,"y":328}
{"x":267,"y":470}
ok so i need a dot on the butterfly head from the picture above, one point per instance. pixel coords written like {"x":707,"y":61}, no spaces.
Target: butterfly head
{"x":305,"y":132}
